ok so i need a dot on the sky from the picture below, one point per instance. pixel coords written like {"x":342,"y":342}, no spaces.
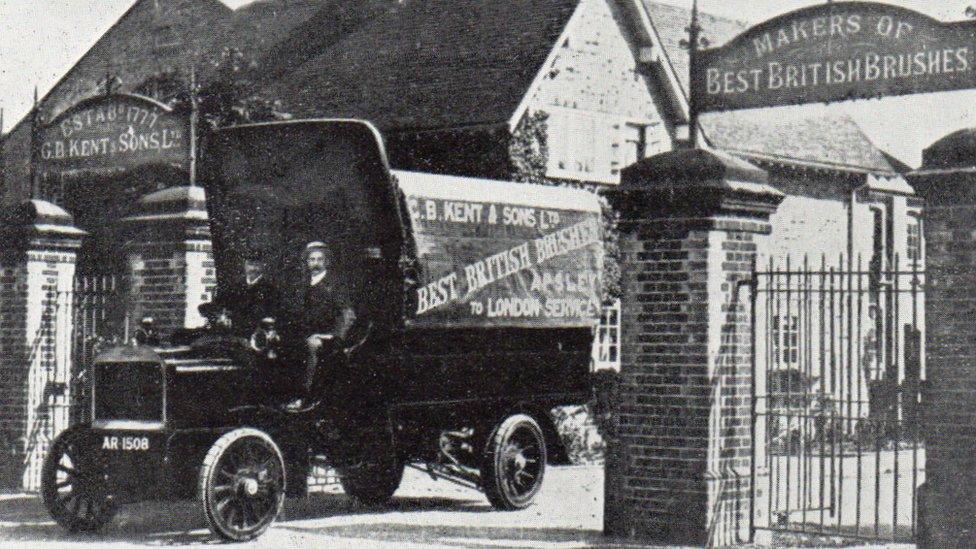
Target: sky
{"x":41,"y":39}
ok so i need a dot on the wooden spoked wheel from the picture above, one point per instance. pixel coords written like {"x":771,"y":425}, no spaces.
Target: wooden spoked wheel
{"x":73,"y":485}
{"x":514,"y":463}
{"x":242,"y":484}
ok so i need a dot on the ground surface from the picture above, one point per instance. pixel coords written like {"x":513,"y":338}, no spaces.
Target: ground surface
{"x":567,"y":514}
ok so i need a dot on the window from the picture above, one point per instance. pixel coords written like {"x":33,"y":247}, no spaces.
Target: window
{"x":635,"y":144}
{"x":786,"y":338}
{"x":914,"y":244}
{"x":606,"y":347}
{"x":580,"y":146}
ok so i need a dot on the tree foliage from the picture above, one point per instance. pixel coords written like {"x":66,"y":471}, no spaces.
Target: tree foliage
{"x":529,"y":157}
{"x":227,"y":91}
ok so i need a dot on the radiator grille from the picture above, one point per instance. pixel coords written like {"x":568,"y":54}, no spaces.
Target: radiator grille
{"x":128,"y":391}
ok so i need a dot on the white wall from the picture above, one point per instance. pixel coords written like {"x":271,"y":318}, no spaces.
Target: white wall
{"x":596,"y":96}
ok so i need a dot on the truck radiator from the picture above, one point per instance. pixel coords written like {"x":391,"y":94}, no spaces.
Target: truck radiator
{"x":130,"y":391}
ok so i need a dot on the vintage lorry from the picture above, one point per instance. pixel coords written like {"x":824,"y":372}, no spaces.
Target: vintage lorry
{"x":475,"y":306}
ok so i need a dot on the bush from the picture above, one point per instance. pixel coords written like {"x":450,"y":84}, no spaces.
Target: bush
{"x":586,"y":429}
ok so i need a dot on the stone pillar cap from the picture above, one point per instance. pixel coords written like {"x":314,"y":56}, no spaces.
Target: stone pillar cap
{"x":694,"y":183}
{"x":698,"y":167}
{"x":182,"y":203}
{"x":41,"y":217}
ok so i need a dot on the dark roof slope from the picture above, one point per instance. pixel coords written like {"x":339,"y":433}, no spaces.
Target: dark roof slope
{"x":670,"y":23}
{"x":430,"y":63}
{"x":332,"y":21}
{"x":899,"y":166}
{"x":830,"y":140}
{"x":258,"y":26}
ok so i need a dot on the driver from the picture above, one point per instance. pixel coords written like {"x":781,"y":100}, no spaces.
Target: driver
{"x":327,"y":314}
{"x":258,"y":299}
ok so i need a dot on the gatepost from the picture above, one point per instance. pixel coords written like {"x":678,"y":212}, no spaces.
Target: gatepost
{"x":170,"y":258}
{"x":678,"y":469}
{"x":947,"y":501}
{"x":37,"y":268}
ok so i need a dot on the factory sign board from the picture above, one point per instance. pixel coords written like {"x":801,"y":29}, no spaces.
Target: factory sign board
{"x":112,"y":133}
{"x":835,"y":52}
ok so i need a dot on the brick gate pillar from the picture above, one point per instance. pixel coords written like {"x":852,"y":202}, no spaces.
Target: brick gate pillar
{"x":947,"y":501}
{"x":678,"y":469}
{"x":37,"y":268}
{"x":170,"y":258}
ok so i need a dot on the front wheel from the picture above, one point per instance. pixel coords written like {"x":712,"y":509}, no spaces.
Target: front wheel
{"x":73,"y":485}
{"x":514,"y":463}
{"x":242,"y":484}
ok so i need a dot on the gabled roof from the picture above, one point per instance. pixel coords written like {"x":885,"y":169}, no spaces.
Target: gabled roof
{"x":213,"y":14}
{"x":670,"y":23}
{"x":832,"y":141}
{"x":429,"y":63}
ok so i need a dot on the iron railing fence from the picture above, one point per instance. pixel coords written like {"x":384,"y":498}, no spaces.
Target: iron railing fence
{"x":839,"y":362}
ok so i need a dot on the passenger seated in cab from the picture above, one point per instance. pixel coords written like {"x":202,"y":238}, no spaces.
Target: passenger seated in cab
{"x":327,"y":314}
{"x":257,"y":299}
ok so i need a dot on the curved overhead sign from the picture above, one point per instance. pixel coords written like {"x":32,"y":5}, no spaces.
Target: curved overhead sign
{"x":112,"y":133}
{"x":835,"y":52}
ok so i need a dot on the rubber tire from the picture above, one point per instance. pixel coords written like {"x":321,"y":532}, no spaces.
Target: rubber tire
{"x":372,"y":484}
{"x":492,"y":467}
{"x":105,"y":508}
{"x":208,"y":472}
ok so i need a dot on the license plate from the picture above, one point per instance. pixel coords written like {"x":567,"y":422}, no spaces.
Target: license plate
{"x":128,"y":444}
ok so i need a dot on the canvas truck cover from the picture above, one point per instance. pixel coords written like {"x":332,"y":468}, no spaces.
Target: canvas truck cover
{"x":499,"y":254}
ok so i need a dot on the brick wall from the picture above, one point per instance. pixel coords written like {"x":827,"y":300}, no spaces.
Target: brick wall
{"x":170,"y":258}
{"x":50,"y":274}
{"x":169,"y":280}
{"x":948,"y":509}
{"x":13,"y":374}
{"x":678,"y":467}
{"x":36,"y":309}
{"x":158,"y":284}
{"x":593,"y":89}
{"x":685,"y":427}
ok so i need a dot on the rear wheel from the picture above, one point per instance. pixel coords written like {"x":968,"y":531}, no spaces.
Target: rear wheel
{"x":73,"y":485}
{"x":242,"y":484}
{"x":514,"y":463}
{"x":372,"y":483}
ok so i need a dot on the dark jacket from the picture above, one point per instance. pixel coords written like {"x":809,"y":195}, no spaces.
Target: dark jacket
{"x":253,"y":303}
{"x":327,"y":310}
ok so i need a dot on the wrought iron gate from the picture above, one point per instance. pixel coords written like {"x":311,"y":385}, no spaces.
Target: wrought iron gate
{"x":62,"y":350}
{"x":839,"y":363}
{"x":100,"y":319}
